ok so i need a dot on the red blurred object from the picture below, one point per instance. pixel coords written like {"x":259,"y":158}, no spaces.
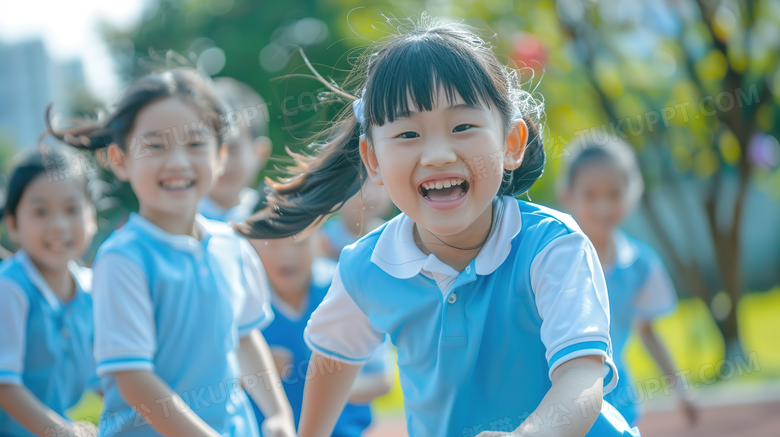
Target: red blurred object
{"x":528,"y":51}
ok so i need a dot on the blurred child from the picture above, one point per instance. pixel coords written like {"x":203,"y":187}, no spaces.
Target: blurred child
{"x":46,"y":312}
{"x":602,"y":185}
{"x":497,"y":307}
{"x":246,"y":152}
{"x":178,"y":298}
{"x":299,"y":282}
{"x":360,"y":215}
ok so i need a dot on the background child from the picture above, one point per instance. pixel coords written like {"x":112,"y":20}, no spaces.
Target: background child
{"x":247,"y":150}
{"x":178,"y":297}
{"x":603,"y":183}
{"x":360,"y":215}
{"x":299,"y":283}
{"x":46,"y":312}
{"x":497,"y":307}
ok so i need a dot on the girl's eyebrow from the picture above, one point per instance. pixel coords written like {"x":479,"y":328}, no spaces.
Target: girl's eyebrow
{"x":39,"y":199}
{"x":459,"y":106}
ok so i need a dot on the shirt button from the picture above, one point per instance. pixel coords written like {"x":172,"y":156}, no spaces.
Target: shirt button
{"x":64,"y":333}
{"x":453,"y":297}
{"x":468,"y":269}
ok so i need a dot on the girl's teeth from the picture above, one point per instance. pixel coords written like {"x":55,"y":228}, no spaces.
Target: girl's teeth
{"x":442,"y":184}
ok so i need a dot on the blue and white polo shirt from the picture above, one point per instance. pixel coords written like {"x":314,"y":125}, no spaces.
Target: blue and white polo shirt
{"x":475,"y":348}
{"x":177,"y":306}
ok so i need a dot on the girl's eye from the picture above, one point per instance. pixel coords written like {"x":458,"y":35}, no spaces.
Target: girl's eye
{"x":462,"y":127}
{"x":156,"y":146}
{"x":198,"y":144}
{"x":72,"y":210}
{"x":408,"y":135}
{"x":40,"y":212}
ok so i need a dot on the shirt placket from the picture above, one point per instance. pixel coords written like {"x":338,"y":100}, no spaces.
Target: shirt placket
{"x":453,"y":311}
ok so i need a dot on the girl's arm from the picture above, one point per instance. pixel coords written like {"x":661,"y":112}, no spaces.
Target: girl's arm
{"x":575,"y":383}
{"x":661,"y":356}
{"x":22,"y":405}
{"x":255,"y":358}
{"x":325,"y":396}
{"x":169,"y":415}
{"x":369,"y":387}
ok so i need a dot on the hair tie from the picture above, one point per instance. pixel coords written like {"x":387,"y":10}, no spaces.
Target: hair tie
{"x":357,"y":108}
{"x":359,"y":111}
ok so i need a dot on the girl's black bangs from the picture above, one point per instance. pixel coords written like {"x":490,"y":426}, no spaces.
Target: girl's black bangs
{"x":397,"y":76}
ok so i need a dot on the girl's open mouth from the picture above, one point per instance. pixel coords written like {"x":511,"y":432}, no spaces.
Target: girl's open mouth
{"x":444,"y":193}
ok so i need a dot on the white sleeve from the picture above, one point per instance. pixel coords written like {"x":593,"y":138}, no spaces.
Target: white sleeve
{"x":657,"y":295}
{"x":13,"y":325}
{"x":257,"y":312}
{"x":571,"y":296}
{"x":125,"y":332}
{"x":339,"y":330}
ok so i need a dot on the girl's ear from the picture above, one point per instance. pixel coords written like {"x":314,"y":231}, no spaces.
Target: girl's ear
{"x":515,"y":145}
{"x":564,"y":197}
{"x":10,"y":223}
{"x":369,"y":160}
{"x":116,"y":158}
{"x":222,"y":159}
{"x":263,"y":147}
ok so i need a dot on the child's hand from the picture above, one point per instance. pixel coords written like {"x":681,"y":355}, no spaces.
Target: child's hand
{"x":74,"y":429}
{"x":279,"y":425}
{"x":85,"y":429}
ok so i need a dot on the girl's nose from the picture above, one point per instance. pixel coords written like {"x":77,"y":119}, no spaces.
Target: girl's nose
{"x":59,"y":221}
{"x":437,"y":153}
{"x":178,"y":158}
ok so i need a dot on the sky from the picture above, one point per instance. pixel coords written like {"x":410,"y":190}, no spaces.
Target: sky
{"x":69,"y":30}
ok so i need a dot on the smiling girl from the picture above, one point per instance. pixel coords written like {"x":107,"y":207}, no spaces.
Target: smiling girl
{"x":497,"y":307}
{"x":178,"y":298}
{"x":46,"y":312}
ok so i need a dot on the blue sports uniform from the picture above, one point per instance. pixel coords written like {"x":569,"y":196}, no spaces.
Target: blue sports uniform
{"x":285,"y":337}
{"x":475,"y":348}
{"x":46,"y":343}
{"x":177,"y":306}
{"x":639,"y":288}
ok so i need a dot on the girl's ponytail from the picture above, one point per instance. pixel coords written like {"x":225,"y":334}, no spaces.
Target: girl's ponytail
{"x":321,"y":186}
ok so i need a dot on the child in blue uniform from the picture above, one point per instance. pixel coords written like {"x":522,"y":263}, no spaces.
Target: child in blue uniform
{"x":46,"y":310}
{"x":299,"y":283}
{"x":178,"y":298}
{"x":497,"y":307}
{"x":602,"y":184}
{"x":232,"y":196}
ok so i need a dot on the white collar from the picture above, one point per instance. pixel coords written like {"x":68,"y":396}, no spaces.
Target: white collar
{"x":185,"y":243}
{"x":34,"y":275}
{"x":626,"y":252}
{"x":247,"y":200}
{"x":398,"y":255}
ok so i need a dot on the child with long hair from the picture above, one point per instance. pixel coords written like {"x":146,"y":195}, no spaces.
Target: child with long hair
{"x":497,"y":307}
{"x":178,"y":298}
{"x":46,"y":312}
{"x":601,"y":185}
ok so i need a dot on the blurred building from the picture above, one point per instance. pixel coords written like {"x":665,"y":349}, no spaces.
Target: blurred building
{"x":30,"y":80}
